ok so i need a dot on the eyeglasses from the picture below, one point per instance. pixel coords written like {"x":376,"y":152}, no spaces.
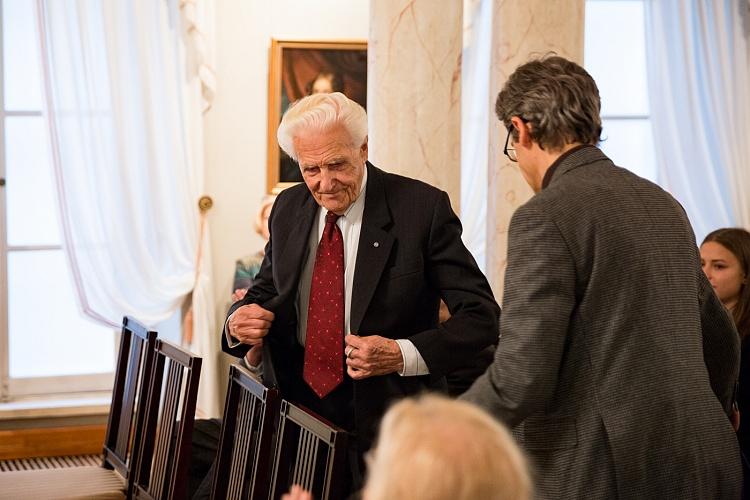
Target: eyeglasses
{"x":510,"y":152}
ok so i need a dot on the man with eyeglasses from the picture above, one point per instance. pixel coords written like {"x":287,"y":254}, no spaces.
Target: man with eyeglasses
{"x":616,"y":364}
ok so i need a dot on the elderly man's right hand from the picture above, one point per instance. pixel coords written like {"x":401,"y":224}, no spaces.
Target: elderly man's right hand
{"x":250,"y":323}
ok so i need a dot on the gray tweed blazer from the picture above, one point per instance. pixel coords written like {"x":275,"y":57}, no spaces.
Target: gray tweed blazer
{"x":617,"y":364}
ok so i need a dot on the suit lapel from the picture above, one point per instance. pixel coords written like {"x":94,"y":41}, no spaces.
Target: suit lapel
{"x":374,"y":246}
{"x":294,"y":250}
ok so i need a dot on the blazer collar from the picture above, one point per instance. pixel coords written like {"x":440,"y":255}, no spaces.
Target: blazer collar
{"x":375,"y":244}
{"x":571,"y":160}
{"x":377,"y":212}
{"x":293,"y":250}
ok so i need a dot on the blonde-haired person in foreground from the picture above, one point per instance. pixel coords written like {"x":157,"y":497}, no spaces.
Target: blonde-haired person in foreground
{"x":437,"y":448}
{"x":433,"y":448}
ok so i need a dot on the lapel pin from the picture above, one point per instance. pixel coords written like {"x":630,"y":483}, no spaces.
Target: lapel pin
{"x":376,"y":244}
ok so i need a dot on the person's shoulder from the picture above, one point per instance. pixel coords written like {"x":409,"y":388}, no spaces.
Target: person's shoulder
{"x":292,"y":195}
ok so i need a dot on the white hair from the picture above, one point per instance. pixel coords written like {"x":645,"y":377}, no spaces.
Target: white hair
{"x":443,"y":449}
{"x":320,"y":112}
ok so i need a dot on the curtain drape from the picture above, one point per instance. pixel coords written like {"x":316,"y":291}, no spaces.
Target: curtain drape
{"x":475,"y":119}
{"x":697,"y":56}
{"x":125,"y":86}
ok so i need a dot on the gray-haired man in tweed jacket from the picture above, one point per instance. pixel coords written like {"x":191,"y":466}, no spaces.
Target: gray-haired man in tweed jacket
{"x":616,"y":364}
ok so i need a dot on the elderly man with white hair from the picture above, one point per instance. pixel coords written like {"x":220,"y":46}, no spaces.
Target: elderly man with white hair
{"x":346,"y":301}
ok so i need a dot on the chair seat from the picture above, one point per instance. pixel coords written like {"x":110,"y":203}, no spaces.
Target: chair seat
{"x":73,"y":483}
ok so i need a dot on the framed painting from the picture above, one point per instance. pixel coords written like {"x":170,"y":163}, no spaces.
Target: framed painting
{"x":298,"y":68}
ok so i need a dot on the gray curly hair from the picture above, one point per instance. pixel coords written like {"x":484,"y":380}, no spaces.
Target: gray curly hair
{"x":557,"y":97}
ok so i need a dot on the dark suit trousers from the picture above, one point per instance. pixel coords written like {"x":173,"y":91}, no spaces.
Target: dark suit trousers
{"x":205,"y":443}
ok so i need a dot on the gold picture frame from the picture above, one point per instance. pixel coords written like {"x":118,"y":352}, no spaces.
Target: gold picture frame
{"x":298,"y":68}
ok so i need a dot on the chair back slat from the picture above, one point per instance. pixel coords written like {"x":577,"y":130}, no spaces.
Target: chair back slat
{"x":310,"y":451}
{"x":165,"y":454}
{"x":165,"y":427}
{"x":129,"y":395}
{"x":307,"y":459}
{"x":242,"y":450}
{"x":246,"y":443}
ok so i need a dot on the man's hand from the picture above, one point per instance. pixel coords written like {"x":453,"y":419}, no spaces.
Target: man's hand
{"x":255,"y":355}
{"x":735,"y":418}
{"x":297,"y":493}
{"x":250,"y":323}
{"x":239,"y":294}
{"x":371,"y":356}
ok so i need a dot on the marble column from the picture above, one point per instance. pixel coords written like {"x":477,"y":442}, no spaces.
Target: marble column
{"x":522,"y":29}
{"x":414,"y":90}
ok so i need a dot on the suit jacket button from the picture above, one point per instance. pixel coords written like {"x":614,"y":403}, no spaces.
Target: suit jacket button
{"x":376,"y":244}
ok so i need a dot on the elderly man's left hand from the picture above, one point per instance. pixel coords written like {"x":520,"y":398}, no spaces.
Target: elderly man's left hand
{"x":371,"y":356}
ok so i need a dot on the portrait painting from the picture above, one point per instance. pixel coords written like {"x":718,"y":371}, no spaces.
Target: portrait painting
{"x":300,"y":68}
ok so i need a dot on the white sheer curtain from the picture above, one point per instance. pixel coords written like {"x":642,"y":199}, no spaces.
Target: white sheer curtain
{"x":699,"y":90}
{"x":475,"y":118}
{"x":124,"y":97}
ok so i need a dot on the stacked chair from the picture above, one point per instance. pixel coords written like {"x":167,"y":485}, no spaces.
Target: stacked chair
{"x":136,"y":416}
{"x":164,"y":457}
{"x":247,"y":438}
{"x":310,"y":452}
{"x":268,"y":444}
{"x":123,"y":436}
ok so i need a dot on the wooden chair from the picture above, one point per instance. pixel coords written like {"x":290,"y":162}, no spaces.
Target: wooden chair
{"x":245,"y":454}
{"x":123,"y":438}
{"x":310,"y":451}
{"x":164,"y":458}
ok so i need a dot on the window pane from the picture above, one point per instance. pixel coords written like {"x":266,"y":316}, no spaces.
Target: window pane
{"x":630,"y":145}
{"x":47,"y":336}
{"x":31,"y":199}
{"x":615,"y":55}
{"x":23,"y":77}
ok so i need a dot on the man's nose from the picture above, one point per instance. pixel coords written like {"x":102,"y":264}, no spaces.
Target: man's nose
{"x":327,"y":180}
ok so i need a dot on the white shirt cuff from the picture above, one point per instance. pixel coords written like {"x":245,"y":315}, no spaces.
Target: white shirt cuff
{"x":414,"y":364}
{"x":231,"y":341}
{"x":255,"y":370}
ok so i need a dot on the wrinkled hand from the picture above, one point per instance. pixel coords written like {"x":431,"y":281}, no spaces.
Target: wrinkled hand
{"x":255,"y":355}
{"x":371,"y":356}
{"x":250,"y":323}
{"x":239,"y":294}
{"x":297,"y":493}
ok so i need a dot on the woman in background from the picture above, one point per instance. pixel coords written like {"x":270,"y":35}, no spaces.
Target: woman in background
{"x":725,"y":258}
{"x":247,"y":267}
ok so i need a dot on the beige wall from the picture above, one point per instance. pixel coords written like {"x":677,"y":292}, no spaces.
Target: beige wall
{"x":235,"y":128}
{"x":522,"y":29}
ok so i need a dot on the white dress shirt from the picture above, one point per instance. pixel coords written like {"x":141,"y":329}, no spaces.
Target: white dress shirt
{"x":350,"y":224}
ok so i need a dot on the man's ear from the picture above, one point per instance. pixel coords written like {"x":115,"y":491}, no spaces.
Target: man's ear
{"x":363,"y":150}
{"x":524,"y":131}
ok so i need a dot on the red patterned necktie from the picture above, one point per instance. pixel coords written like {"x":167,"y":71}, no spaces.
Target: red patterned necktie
{"x":324,"y":342}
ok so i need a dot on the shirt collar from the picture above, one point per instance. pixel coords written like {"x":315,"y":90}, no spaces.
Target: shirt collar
{"x":355,"y":209}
